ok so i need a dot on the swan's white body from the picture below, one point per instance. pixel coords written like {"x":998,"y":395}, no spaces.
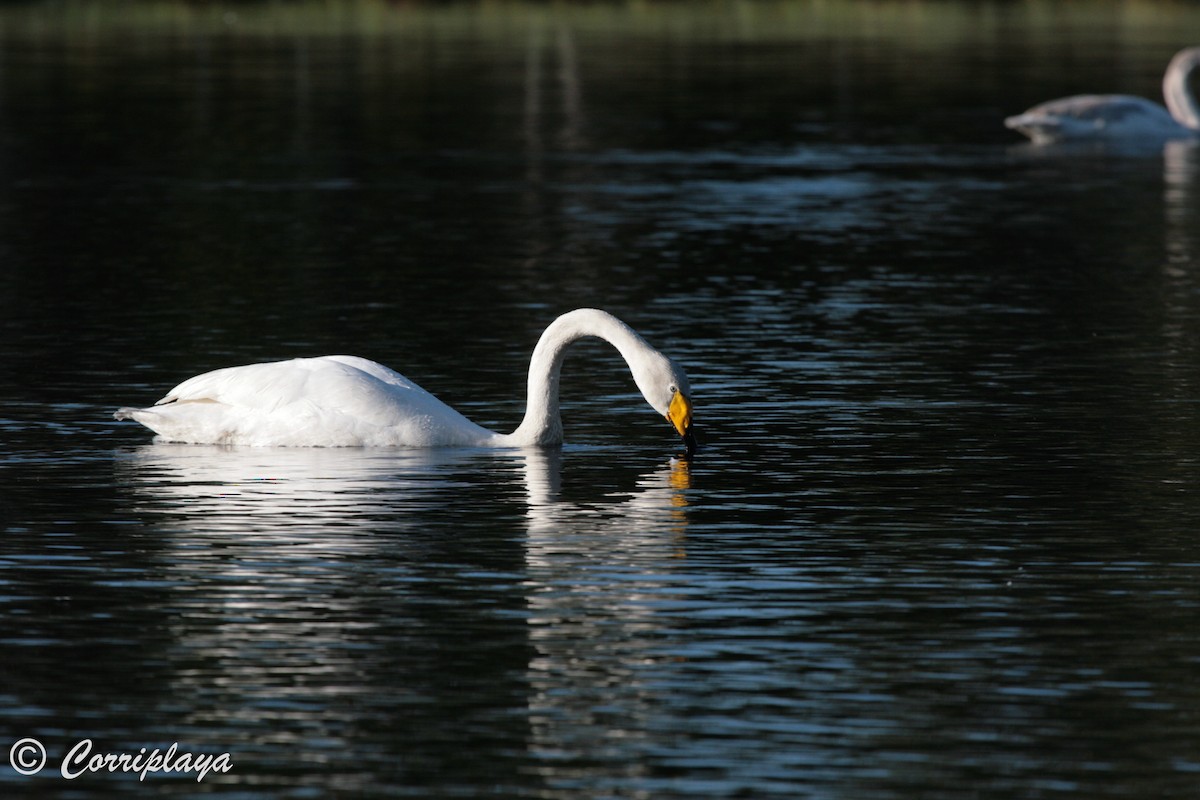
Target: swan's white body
{"x":346,"y":401}
{"x":1120,"y":118}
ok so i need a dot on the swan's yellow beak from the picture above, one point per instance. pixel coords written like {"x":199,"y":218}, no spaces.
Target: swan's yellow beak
{"x":680,"y":415}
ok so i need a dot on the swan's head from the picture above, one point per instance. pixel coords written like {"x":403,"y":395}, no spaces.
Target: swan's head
{"x":666,"y":389}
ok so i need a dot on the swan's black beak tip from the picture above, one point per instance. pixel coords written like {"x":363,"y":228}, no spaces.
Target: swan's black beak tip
{"x":689,"y":442}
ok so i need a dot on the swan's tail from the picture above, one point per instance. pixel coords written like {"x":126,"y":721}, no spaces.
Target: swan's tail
{"x":1038,"y":127}
{"x":125,"y":413}
{"x":152,"y":418}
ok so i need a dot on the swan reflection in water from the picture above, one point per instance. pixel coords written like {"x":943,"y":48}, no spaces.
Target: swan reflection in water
{"x":321,"y":568}
{"x":1181,"y":203}
{"x":273,"y":491}
{"x":278,"y":568}
{"x":1181,"y":199}
{"x":600,"y":579}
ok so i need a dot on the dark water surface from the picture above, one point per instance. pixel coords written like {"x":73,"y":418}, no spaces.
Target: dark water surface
{"x":941,"y":540}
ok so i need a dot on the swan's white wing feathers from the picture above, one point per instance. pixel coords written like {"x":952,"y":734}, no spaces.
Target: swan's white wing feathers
{"x":328,"y":401}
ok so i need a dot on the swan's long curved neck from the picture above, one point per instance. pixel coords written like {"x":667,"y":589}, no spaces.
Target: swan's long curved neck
{"x":1183,"y":104}
{"x":542,"y":423}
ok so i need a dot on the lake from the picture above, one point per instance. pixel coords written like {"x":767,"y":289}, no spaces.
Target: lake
{"x":941,"y":536}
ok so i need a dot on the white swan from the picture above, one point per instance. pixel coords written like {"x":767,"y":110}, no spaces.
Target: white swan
{"x":345,"y":401}
{"x":1118,"y":117}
